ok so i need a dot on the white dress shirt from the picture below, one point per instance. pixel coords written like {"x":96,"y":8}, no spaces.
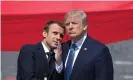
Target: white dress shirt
{"x":79,"y":44}
{"x":58,"y":67}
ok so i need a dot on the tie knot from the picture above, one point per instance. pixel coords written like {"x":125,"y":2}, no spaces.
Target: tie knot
{"x":74,"y":46}
{"x":50,"y":53}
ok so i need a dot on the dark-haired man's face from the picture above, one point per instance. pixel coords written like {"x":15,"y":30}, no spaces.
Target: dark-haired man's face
{"x":54,"y":35}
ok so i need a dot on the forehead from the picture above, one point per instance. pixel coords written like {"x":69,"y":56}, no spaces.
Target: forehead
{"x":73,"y":17}
{"x":55,"y":27}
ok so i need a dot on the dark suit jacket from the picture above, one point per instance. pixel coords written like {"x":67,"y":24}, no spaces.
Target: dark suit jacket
{"x":93,"y":62}
{"x":33,"y":64}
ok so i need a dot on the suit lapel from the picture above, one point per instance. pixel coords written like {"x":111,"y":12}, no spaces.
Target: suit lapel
{"x":41,"y":51}
{"x":43,"y":56}
{"x":42,"y":59}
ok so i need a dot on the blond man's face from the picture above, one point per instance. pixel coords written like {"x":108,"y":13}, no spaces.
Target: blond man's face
{"x":74,"y":26}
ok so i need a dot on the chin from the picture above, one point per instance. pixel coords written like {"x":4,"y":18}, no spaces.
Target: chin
{"x":54,"y":46}
{"x":72,"y":35}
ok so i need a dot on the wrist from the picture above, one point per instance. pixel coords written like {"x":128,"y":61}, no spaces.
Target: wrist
{"x":58,"y":62}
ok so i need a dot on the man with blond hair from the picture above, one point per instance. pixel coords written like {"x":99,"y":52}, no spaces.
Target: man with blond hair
{"x":84,"y":57}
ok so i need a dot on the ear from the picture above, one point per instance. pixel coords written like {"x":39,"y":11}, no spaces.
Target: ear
{"x":85,"y":28}
{"x":44,"y":33}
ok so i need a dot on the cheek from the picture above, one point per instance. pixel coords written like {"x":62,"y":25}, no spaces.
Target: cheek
{"x":67,"y":31}
{"x":49,"y":38}
{"x":67,"y":28}
{"x":78,"y":29}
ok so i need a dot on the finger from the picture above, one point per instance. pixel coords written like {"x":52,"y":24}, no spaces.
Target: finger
{"x":59,"y":44}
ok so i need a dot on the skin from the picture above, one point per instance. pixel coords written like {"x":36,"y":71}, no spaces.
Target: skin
{"x":52,"y":39}
{"x":75,"y":27}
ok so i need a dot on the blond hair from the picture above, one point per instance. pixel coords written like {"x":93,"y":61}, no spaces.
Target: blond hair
{"x":77,"y":12}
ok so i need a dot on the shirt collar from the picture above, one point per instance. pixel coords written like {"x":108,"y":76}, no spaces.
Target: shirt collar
{"x":80,"y":42}
{"x":45,"y":47}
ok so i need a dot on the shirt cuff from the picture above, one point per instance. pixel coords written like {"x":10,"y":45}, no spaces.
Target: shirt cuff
{"x":59,"y":67}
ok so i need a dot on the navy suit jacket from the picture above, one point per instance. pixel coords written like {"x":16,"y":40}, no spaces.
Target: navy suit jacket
{"x":93,"y":62}
{"x":33,"y":64}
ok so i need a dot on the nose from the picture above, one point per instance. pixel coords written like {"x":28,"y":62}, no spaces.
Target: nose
{"x":58,"y":37}
{"x":70,"y":26}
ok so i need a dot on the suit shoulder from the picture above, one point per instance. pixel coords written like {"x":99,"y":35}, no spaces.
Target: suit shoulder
{"x":27,"y":50}
{"x":97,"y":47}
{"x":97,"y":44}
{"x":27,"y":47}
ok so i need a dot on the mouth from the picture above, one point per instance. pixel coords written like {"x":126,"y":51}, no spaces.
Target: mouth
{"x":56,"y":43}
{"x":71,"y":32}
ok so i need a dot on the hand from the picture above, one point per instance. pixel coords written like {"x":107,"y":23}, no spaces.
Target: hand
{"x":58,"y":53}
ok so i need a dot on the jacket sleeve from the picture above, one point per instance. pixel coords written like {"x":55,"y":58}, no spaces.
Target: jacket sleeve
{"x":26,"y":65}
{"x":104,"y":66}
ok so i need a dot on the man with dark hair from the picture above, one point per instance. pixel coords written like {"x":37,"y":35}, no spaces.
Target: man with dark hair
{"x":43,"y":61}
{"x":84,"y":57}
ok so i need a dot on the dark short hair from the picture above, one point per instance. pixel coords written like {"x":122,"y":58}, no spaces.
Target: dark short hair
{"x":46,"y":27}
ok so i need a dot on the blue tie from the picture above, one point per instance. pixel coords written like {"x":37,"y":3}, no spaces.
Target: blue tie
{"x":70,"y":59}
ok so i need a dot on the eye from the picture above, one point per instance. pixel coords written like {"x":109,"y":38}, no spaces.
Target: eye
{"x":67,"y":24}
{"x":74,"y":23}
{"x":55,"y":33}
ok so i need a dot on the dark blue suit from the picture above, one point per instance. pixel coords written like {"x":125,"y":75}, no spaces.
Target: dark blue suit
{"x":93,"y":62}
{"x":33,"y":64}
